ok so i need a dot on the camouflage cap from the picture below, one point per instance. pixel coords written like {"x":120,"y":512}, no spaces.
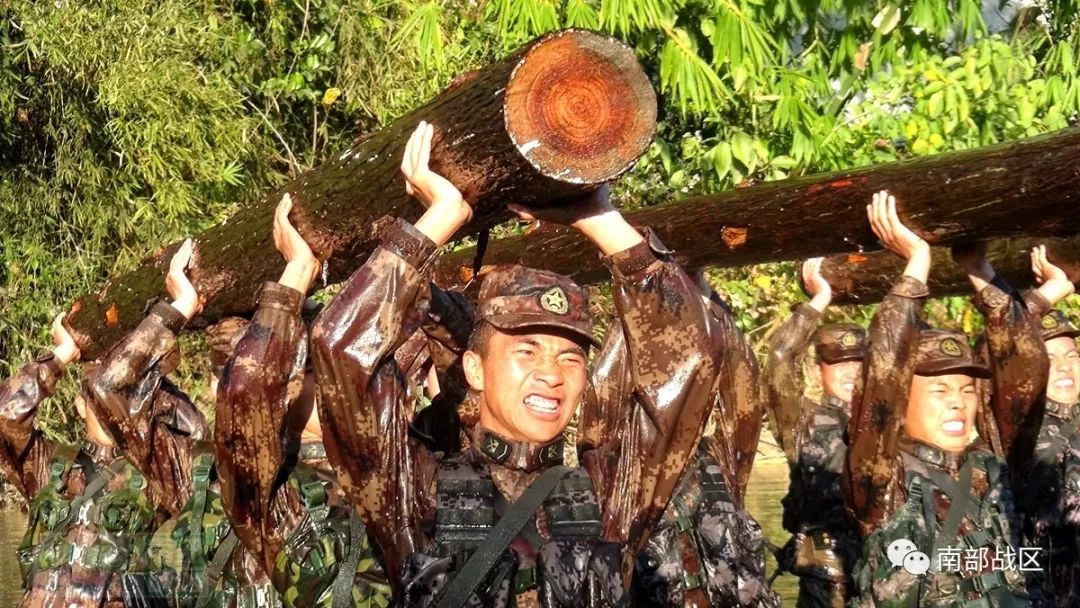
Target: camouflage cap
{"x":515,"y":297}
{"x":947,"y":352}
{"x":1055,"y":325}
{"x":840,"y":342}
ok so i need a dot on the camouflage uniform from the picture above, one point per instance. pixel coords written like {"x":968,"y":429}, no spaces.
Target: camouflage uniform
{"x":592,"y":525}
{"x":903,"y":489}
{"x":97,"y":553}
{"x":301,"y":531}
{"x":1050,"y":492}
{"x":707,"y":549}
{"x":813,"y":435}
{"x":216,"y":570}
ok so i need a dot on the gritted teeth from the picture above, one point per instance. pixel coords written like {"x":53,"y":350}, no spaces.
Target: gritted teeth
{"x":953,"y":426}
{"x":543,"y":404}
{"x":1064,"y":382}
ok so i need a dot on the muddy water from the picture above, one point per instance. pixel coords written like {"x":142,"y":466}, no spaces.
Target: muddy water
{"x":768,"y":484}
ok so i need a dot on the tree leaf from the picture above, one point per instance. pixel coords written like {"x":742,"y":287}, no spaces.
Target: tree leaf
{"x":887,"y":19}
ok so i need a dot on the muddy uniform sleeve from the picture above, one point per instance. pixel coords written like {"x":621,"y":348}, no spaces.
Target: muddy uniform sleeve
{"x":23,"y":456}
{"x":874,"y":475}
{"x":668,"y":329}
{"x":363,"y":399}
{"x":1018,"y":363}
{"x":152,"y":422}
{"x":259,"y":383}
{"x":737,"y":396}
{"x":784,"y":376}
{"x":608,"y":393}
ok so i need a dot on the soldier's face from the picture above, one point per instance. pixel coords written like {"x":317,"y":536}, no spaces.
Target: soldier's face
{"x":1064,"y":383}
{"x":838,"y":379}
{"x":529,"y":383}
{"x":941,"y":410}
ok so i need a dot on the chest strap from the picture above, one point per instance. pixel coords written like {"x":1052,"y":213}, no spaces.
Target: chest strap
{"x":346,"y":575}
{"x":100,"y":479}
{"x":457,"y":591}
{"x":217,"y":567}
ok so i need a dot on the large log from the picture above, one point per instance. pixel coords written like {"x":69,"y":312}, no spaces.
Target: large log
{"x":1029,"y":186}
{"x":864,"y":278}
{"x":567,"y":112}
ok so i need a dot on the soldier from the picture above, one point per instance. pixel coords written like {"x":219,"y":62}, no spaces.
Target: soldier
{"x":813,"y":434}
{"x":923,"y":497}
{"x":277,"y":488}
{"x":1049,"y":489}
{"x":94,"y":509}
{"x":445,"y":527}
{"x":707,"y":549}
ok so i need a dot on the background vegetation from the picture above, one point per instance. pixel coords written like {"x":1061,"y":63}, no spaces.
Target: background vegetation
{"x":128,"y":124}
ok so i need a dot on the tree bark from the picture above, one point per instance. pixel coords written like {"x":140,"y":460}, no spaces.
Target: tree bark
{"x":1026,"y":187}
{"x":865,"y":278}
{"x":567,"y":112}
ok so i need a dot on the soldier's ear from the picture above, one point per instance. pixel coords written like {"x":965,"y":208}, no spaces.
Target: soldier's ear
{"x":474,"y":370}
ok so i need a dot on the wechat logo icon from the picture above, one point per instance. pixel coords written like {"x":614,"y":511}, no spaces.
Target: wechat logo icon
{"x":904,"y":554}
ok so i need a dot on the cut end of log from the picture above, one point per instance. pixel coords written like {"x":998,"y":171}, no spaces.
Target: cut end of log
{"x":580,"y":108}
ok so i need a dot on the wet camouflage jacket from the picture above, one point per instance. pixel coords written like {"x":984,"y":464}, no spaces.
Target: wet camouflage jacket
{"x":904,"y":489}
{"x":216,"y":571}
{"x":366,"y":408}
{"x":812,"y":434}
{"x":727,"y":561}
{"x":706,"y":550}
{"x":1049,"y":491}
{"x":299,"y":531}
{"x":101,"y":554}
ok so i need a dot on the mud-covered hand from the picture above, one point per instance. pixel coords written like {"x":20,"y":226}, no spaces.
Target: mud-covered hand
{"x":971,"y":258}
{"x":446,"y":208}
{"x":592,"y":215}
{"x":184,"y":297}
{"x":301,"y":265}
{"x":897,"y":237}
{"x":819,"y":289}
{"x":1054,"y":284}
{"x":65,"y":350}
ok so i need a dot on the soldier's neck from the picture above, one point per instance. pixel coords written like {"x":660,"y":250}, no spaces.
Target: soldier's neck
{"x":519,"y":455}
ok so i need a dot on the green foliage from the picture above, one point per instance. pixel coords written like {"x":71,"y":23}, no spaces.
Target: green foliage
{"x":129,"y":124}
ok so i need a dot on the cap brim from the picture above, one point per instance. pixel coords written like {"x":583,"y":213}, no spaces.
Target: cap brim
{"x":1064,"y":332}
{"x":960,"y":366}
{"x":523,"y":321}
{"x":842,"y":356}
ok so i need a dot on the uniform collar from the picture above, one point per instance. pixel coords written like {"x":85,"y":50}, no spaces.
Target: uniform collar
{"x":517,"y":454}
{"x":98,"y":453}
{"x":314,"y":450}
{"x":1062,"y":411}
{"x":950,"y":461}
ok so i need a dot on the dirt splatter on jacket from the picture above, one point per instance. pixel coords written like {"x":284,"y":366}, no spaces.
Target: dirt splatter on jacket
{"x":392,"y":480}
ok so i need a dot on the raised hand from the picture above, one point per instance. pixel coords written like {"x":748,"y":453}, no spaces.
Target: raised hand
{"x":819,"y":289}
{"x":184,"y":297}
{"x":971,"y":258}
{"x":593,"y":204}
{"x":1054,"y":284}
{"x":897,"y":237}
{"x":592,"y":215}
{"x":447,"y":209}
{"x":301,"y":265}
{"x":65,"y":349}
